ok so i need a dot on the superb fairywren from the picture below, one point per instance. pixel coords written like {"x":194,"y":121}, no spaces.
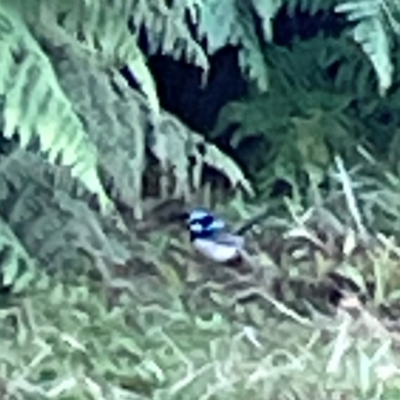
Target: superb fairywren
{"x":211,"y":237}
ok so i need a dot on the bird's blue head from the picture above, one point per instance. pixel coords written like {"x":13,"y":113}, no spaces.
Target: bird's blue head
{"x":203,"y":224}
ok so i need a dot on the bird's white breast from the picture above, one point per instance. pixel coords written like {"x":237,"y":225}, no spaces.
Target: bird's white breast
{"x":216,"y":251}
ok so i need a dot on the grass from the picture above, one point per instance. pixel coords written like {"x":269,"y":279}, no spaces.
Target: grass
{"x":223,"y":335}
{"x":77,"y":339}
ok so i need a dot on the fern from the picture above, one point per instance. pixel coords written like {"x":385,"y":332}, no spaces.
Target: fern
{"x":230,"y":22}
{"x":218,"y":23}
{"x":174,"y":144}
{"x":371,"y":32}
{"x":17,"y":268}
{"x":102,"y":31}
{"x":266,"y":11}
{"x":35,"y":105}
{"x":55,"y":227}
{"x":308,"y":6}
{"x":122,"y":129}
{"x":296,"y":124}
{"x":102,"y":28}
{"x":167,"y":30}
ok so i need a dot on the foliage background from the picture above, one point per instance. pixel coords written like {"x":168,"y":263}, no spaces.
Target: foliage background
{"x":114,"y":115}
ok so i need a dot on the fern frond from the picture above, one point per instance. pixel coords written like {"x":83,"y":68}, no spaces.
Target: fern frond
{"x":266,"y":11}
{"x":251,"y":56}
{"x":17,"y":268}
{"x":230,"y":22}
{"x":35,"y":105}
{"x":167,"y":30}
{"x":118,"y":124}
{"x":371,"y":33}
{"x":217,"y":23}
{"x":53,"y":226}
{"x":174,"y":144}
{"x":309,"y":6}
{"x":121,"y":127}
{"x":103,"y":31}
{"x":215,"y":158}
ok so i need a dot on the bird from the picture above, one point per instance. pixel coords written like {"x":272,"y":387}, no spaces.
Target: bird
{"x":210,"y":236}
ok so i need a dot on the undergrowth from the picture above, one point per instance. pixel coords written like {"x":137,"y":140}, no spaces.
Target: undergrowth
{"x":183,"y":329}
{"x":73,"y":339}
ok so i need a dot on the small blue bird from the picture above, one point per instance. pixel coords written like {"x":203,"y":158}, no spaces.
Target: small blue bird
{"x":211,"y":237}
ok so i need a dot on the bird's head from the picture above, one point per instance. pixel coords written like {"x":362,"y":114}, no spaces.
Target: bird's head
{"x":201,"y":223}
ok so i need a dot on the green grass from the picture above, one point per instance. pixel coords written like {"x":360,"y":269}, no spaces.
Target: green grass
{"x":75,"y":338}
{"x":181,"y":329}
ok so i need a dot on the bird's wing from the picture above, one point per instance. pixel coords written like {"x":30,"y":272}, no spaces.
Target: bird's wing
{"x":229,"y":239}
